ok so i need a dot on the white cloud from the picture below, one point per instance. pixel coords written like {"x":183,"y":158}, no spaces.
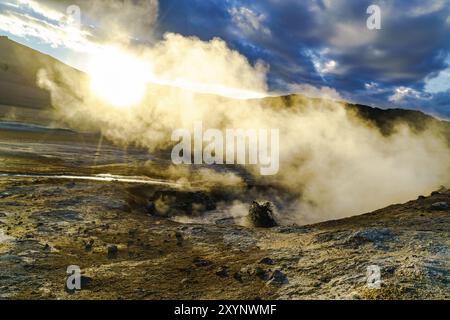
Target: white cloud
{"x":56,"y":35}
{"x":321,"y":63}
{"x":439,"y":84}
{"x":427,"y":7}
{"x":401,"y":92}
{"x":371,"y":86}
{"x":42,"y":10}
{"x":249,"y":21}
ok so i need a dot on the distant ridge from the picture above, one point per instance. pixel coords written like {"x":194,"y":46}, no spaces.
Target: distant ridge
{"x":19,"y":66}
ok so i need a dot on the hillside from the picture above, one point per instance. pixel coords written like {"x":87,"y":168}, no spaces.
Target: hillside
{"x":19,"y":66}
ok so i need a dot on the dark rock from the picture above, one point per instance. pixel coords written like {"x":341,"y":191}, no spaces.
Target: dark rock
{"x":278,"y":278}
{"x":5,"y":194}
{"x":151,"y":209}
{"x":59,"y":215}
{"x":374,"y":235}
{"x":237,"y":276}
{"x":440,"y":206}
{"x":85,"y":281}
{"x":261,"y":215}
{"x":112,"y":251}
{"x":267,"y":261}
{"x":199,"y":262}
{"x":88,"y":245}
{"x":261,"y":273}
{"x":12,"y":204}
{"x":225,"y":221}
{"x":179,"y":237}
{"x":222,"y":271}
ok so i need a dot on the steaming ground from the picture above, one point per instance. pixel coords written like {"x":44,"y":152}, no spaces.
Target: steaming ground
{"x":194,"y":252}
{"x":185,"y":238}
{"x":327,"y":150}
{"x":67,"y":194}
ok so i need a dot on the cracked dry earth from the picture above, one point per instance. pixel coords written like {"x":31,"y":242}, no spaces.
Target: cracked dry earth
{"x":47,"y":225}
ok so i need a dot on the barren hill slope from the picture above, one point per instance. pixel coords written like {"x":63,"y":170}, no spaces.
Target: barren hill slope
{"x":19,"y":67}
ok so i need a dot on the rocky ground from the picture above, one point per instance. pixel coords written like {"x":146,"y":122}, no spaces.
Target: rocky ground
{"x":114,"y":231}
{"x":125,"y":253}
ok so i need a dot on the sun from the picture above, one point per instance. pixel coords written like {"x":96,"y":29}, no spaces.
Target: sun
{"x":118,"y":78}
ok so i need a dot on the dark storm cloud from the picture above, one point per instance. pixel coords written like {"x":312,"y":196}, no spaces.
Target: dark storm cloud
{"x":324,"y":42}
{"x":315,"y":42}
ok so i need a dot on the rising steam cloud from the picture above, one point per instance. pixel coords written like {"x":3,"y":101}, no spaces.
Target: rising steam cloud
{"x":333,"y":163}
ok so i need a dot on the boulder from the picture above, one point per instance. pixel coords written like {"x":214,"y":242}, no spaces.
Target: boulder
{"x":238,"y":276}
{"x":278,"y":278}
{"x":377,"y":236}
{"x":440,"y":206}
{"x":112,"y":251}
{"x":260,"y":273}
{"x":261,"y":215}
{"x":200,"y":262}
{"x":267,"y":261}
{"x":222,"y":271}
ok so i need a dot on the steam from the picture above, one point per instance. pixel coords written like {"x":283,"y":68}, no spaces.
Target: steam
{"x":332,"y":163}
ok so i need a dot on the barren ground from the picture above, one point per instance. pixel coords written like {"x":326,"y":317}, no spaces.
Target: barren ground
{"x":47,"y":224}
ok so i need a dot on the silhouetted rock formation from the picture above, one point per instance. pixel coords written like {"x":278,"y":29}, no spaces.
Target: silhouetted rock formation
{"x":261,"y":216}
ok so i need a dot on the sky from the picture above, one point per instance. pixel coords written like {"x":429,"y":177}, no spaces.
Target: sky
{"x":322,"y":44}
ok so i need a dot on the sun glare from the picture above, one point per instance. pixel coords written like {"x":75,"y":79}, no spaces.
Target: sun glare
{"x":118,"y":78}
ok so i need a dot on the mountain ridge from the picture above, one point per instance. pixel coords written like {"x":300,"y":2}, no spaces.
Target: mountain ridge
{"x":20,"y":64}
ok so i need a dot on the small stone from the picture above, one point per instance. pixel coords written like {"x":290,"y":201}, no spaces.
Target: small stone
{"x":374,"y":235}
{"x":112,"y":251}
{"x":222,"y":271}
{"x":440,"y":206}
{"x":261,"y":273}
{"x":179,"y":237}
{"x":267,"y":261}
{"x":199,"y":262}
{"x":237,"y":276}
{"x":88,"y":245}
{"x":85,"y":281}
{"x":151,"y":209}
{"x":5,"y":194}
{"x":278,"y":278}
